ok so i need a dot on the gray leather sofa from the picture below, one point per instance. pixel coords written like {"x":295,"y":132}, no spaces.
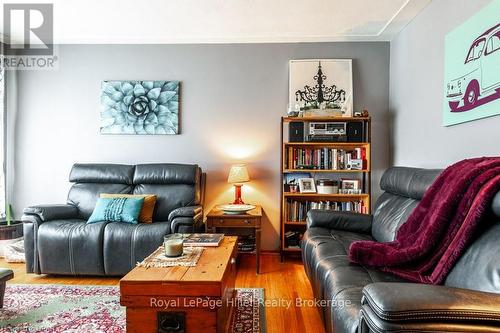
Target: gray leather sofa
{"x":362,"y":299}
{"x":58,"y":241}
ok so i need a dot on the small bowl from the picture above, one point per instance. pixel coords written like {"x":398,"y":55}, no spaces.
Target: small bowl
{"x":236,"y":209}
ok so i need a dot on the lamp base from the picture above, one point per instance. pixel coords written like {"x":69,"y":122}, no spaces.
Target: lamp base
{"x":237,"y":195}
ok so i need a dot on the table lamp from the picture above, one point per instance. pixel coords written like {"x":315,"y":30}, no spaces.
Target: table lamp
{"x":238,"y":175}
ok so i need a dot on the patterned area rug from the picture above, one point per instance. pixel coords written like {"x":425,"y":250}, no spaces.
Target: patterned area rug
{"x":93,"y":309}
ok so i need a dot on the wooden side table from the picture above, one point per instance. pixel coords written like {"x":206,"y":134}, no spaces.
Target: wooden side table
{"x":241,"y":225}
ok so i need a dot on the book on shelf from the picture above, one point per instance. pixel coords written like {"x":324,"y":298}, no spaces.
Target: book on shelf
{"x":296,"y":211}
{"x":292,"y":239}
{"x":325,"y":158}
{"x":203,"y":239}
{"x":246,"y":243}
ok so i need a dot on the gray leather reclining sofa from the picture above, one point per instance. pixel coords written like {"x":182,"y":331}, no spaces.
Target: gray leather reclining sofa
{"x":362,"y":299}
{"x":58,"y":240}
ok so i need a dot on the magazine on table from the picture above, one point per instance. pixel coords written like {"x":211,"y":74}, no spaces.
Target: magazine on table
{"x":203,"y":239}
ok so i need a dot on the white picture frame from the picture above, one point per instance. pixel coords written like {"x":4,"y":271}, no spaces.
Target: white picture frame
{"x":336,"y":72}
{"x":350,"y":186}
{"x":307,"y":185}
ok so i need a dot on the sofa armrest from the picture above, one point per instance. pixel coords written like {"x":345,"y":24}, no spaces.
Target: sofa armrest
{"x":347,"y":221}
{"x":186,"y":219}
{"x":414,"y":306}
{"x":52,"y":212}
{"x":189,"y":211}
{"x":31,"y":223}
{"x":32,"y":219}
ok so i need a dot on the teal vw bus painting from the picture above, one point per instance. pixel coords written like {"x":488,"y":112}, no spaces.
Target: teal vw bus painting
{"x":472,"y":68}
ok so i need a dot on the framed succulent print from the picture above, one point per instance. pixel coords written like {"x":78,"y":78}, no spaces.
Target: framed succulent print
{"x":140,"y":107}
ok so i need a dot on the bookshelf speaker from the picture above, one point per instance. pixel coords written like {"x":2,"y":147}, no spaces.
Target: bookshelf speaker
{"x":355,"y":131}
{"x":296,"y":131}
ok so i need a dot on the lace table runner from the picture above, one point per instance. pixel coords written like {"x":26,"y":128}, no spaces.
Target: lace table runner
{"x":158,"y":259}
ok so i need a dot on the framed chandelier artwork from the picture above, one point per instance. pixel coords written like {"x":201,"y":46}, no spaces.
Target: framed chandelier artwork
{"x":321,"y":87}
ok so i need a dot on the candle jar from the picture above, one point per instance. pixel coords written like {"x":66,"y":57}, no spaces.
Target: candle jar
{"x":173,"y":245}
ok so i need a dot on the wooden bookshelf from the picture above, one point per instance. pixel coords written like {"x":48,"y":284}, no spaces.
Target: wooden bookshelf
{"x":363,"y":175}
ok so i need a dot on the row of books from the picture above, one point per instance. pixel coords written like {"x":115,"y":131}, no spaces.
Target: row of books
{"x":296,"y":211}
{"x":325,"y":158}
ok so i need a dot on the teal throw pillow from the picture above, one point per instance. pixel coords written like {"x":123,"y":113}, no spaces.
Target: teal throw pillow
{"x":117,"y":210}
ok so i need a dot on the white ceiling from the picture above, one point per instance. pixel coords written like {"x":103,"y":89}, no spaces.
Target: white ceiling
{"x":229,"y":21}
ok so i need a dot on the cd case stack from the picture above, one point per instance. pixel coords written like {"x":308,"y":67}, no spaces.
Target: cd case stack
{"x":246,"y":243}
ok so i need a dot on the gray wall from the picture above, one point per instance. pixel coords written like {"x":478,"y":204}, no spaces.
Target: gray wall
{"x":231,"y":103}
{"x":417,"y":72}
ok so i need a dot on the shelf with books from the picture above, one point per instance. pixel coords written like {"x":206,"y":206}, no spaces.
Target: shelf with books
{"x":324,"y":171}
{"x":326,"y":119}
{"x":329,"y":196}
{"x":327,"y":158}
{"x":327,"y":144}
{"x":296,"y":210}
{"x":295,"y":223}
{"x":342,"y":163}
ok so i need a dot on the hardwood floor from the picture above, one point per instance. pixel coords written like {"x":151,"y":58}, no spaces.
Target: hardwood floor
{"x":283,"y":284}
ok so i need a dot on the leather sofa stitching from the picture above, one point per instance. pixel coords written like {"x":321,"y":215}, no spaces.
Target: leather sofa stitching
{"x":328,"y":271}
{"x":70,"y":245}
{"x":369,"y":322}
{"x":369,"y":274}
{"x":342,"y":290}
{"x":438,"y":314}
{"x":430,"y":314}
{"x":132,"y":248}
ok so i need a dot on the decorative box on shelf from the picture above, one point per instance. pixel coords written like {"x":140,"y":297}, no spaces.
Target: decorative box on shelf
{"x":333,"y":156}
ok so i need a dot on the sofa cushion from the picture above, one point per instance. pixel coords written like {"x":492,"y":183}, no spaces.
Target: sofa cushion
{"x":169,"y":197}
{"x":122,"y":209}
{"x":126,"y":244}
{"x":479,"y":267}
{"x":343,"y":313}
{"x":403,"y":187}
{"x":148,"y":207}
{"x":176,"y":185}
{"x":334,"y":278}
{"x":166,"y":173}
{"x":391,"y":212}
{"x":71,"y":246}
{"x":102,"y":173}
{"x":319,"y":244}
{"x":408,"y":182}
{"x":84,"y":195}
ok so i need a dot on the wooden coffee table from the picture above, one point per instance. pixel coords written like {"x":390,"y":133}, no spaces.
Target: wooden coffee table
{"x":183,"y":299}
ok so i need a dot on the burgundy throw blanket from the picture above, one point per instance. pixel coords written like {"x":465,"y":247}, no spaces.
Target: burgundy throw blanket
{"x":440,"y":227}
